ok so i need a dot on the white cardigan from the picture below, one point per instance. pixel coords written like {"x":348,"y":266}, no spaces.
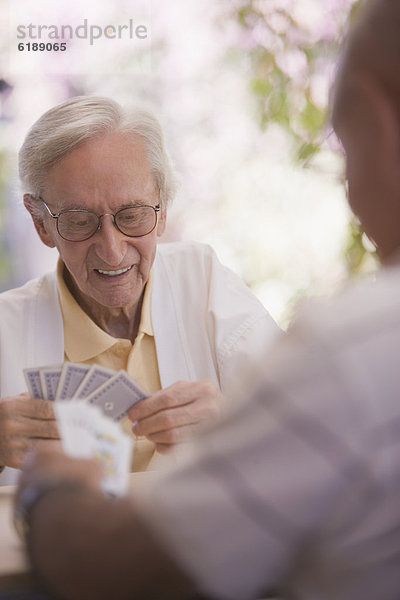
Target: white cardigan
{"x":207,"y":324}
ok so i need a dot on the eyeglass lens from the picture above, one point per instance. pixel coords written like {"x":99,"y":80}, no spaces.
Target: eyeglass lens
{"x":79,"y":225}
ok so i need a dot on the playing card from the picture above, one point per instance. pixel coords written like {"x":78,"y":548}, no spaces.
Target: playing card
{"x":93,"y":379}
{"x":72,"y":375}
{"x":115,"y":456}
{"x":32,"y":378}
{"x":117,"y":395}
{"x":77,"y":428}
{"x":114,"y":452}
{"x":86,"y":433}
{"x":49,"y":379}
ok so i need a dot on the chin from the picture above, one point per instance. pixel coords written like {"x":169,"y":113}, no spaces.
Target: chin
{"x":118,"y":302}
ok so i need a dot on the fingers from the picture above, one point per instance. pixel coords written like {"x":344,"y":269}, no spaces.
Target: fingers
{"x":168,"y":419}
{"x":167,"y":398}
{"x":20,"y":426}
{"x":15,"y":456}
{"x":46,"y":463}
{"x":24,"y":421}
{"x":163,"y":448}
{"x":178,"y":394}
{"x":13,"y":451}
{"x":175,"y":435}
{"x":48,"y":460}
{"x":49,"y":446}
{"x":24,"y":405}
{"x":174,"y":415}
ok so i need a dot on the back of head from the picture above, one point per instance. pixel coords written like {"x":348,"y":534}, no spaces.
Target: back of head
{"x":69,"y":125}
{"x":366,"y":117}
{"x":372,"y":47}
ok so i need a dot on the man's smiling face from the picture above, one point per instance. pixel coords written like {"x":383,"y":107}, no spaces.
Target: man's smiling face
{"x":110,"y":269}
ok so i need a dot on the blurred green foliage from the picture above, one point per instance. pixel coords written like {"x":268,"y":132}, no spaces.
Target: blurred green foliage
{"x":289,"y":62}
{"x":285,"y":60}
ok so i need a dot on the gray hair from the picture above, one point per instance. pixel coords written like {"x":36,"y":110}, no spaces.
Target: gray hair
{"x":63,"y":128}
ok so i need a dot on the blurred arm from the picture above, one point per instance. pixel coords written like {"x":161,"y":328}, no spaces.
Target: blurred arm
{"x":85,"y":545}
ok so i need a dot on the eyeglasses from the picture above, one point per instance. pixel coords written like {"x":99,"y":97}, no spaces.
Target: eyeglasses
{"x":78,"y":225}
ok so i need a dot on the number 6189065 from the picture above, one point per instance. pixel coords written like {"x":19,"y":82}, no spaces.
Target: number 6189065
{"x":42,"y":47}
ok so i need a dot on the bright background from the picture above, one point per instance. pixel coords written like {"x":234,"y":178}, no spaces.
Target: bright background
{"x":241,"y":88}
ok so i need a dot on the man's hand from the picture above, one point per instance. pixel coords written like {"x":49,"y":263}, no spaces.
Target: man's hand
{"x":24,"y":422}
{"x":51,"y":464}
{"x":82,"y":545}
{"x":174,"y":414}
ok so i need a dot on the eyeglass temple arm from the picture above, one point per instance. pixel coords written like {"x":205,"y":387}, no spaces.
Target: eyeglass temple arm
{"x":48,"y":209}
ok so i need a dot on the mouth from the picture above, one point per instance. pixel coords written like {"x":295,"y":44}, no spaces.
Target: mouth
{"x":113,"y":273}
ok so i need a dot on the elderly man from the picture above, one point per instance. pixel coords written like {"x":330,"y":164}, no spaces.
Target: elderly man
{"x":297,"y":490}
{"x":98,"y":183}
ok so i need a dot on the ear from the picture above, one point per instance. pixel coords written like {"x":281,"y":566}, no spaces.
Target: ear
{"x":39,"y":220}
{"x":162,"y":221}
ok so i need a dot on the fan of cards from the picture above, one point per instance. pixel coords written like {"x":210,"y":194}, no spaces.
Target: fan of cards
{"x":114,"y":392}
{"x":88,"y":399}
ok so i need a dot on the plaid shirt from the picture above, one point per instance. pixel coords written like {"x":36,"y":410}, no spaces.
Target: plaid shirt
{"x":297,"y":490}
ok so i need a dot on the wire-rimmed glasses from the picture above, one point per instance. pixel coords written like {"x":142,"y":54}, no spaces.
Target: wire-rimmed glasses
{"x":78,"y":225}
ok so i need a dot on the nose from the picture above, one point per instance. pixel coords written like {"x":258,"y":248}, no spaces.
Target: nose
{"x":110,"y":242}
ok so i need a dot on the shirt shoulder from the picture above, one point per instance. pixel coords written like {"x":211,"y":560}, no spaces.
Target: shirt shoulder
{"x":17,"y":297}
{"x":185,"y":251}
{"x":194,"y":270}
{"x":360,"y":311}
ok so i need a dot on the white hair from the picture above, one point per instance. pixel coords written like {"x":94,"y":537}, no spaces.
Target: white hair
{"x":63,"y":128}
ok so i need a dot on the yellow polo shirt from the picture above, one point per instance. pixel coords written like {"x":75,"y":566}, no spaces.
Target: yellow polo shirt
{"x":85,"y":342}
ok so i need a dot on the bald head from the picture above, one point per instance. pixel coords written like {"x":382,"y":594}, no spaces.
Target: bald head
{"x":366,"y":117}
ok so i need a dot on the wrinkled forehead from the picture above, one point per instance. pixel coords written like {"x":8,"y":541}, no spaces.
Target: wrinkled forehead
{"x":115,"y":146}
{"x":111,"y":161}
{"x":106,"y":156}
